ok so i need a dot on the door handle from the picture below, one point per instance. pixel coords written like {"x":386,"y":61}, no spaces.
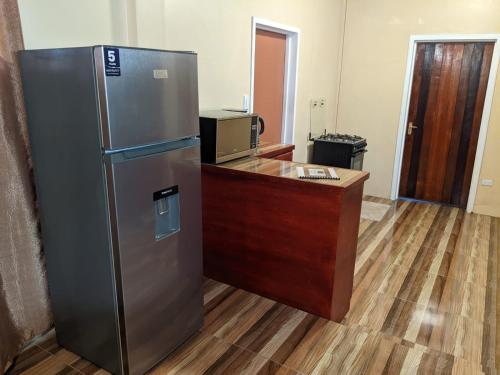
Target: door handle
{"x":411,"y":127}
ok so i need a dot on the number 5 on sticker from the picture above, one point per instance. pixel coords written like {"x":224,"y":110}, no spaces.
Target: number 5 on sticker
{"x":112,"y":61}
{"x":111,"y":56}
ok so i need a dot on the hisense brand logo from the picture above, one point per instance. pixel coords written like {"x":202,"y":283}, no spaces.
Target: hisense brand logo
{"x":160,"y":73}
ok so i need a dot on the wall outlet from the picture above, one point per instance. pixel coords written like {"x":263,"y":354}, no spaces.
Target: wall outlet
{"x":318,"y":103}
{"x":486,"y":182}
{"x":317,"y":124}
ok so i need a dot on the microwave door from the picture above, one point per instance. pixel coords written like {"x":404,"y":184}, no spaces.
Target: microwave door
{"x":233,"y":139}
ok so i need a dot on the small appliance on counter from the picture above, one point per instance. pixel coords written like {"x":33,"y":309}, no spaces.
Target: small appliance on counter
{"x":339,"y":150}
{"x":228,"y":134}
{"x":117,"y":167}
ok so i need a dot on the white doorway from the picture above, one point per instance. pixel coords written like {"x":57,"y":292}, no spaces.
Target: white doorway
{"x":292,"y":35}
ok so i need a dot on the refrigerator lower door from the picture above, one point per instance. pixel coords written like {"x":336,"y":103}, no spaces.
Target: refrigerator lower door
{"x":158,"y":221}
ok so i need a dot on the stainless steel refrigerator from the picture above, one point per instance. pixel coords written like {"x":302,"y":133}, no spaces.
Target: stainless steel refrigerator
{"x":117,"y":170}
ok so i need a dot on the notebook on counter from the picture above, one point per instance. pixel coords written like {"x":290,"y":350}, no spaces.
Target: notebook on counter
{"x":317,"y":173}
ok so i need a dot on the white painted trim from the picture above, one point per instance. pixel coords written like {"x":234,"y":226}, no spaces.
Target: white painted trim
{"x":402,"y":120}
{"x":414,"y":39}
{"x":483,"y":129}
{"x":291,"y":72}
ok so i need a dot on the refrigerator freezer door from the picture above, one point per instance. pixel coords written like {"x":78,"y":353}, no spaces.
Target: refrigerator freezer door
{"x":146,"y":96}
{"x":161,"y":262}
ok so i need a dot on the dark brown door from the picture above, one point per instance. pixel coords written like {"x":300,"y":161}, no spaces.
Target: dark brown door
{"x":270,"y":50}
{"x":446,"y":105}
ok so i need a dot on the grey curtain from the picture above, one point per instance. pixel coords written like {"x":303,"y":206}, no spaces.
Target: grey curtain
{"x":24,"y":305}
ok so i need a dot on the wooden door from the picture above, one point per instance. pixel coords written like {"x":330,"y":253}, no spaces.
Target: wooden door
{"x":269,"y":81}
{"x":446,"y":105}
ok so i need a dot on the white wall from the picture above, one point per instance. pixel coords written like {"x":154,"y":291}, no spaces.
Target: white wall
{"x":72,"y":23}
{"x":218,"y":30}
{"x":376,"y":47}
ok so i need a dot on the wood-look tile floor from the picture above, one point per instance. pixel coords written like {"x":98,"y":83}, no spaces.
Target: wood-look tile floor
{"x":425,"y":302}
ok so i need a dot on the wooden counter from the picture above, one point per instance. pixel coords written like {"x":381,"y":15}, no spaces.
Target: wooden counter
{"x":292,"y":240}
{"x":287,"y":169}
{"x":278,"y":151}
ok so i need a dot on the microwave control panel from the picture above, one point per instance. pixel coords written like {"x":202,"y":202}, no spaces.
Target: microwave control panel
{"x":254,"y":132}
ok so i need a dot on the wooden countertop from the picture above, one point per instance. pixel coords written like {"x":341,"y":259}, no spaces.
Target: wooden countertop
{"x":287,"y":169}
{"x":270,"y":149}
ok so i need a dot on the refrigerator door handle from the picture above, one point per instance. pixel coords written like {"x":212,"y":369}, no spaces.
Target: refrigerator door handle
{"x":145,"y":150}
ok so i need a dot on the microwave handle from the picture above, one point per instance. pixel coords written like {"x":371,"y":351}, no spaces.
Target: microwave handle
{"x":262,"y":125}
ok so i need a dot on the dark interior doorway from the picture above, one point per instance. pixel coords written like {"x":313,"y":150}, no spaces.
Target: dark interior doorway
{"x":444,"y":118}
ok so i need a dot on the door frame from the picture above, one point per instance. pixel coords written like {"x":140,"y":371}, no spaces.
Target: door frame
{"x":291,"y":72}
{"x":414,"y":39}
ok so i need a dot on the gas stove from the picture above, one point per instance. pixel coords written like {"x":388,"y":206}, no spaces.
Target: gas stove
{"x":339,"y":150}
{"x":342,"y":138}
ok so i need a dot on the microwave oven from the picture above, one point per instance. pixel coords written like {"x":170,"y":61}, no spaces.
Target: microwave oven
{"x":228,"y":135}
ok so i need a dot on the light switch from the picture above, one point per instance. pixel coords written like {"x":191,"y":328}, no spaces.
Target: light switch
{"x":245,"y":102}
{"x":487,"y":182}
